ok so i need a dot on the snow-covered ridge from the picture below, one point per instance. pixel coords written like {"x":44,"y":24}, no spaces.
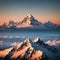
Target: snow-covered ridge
{"x":32,"y":50}
{"x":30,"y":21}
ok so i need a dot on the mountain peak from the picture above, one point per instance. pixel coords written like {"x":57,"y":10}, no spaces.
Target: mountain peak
{"x":49,"y":23}
{"x":29,"y":15}
{"x":29,"y":19}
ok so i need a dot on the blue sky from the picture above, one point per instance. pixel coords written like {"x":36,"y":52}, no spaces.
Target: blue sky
{"x":32,"y":6}
{"x":42,"y":8}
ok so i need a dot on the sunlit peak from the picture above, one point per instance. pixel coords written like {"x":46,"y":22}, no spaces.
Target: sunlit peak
{"x":29,"y":15}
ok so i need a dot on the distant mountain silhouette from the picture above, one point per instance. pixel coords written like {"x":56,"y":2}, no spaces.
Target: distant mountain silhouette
{"x":49,"y":24}
{"x":30,"y":22}
{"x":12,"y":24}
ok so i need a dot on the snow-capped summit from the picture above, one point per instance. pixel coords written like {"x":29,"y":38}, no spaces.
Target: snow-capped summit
{"x":29,"y":15}
{"x":27,"y":19}
{"x":30,"y":20}
{"x":37,"y":40}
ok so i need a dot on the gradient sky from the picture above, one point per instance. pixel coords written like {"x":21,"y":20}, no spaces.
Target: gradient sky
{"x":43,"y":10}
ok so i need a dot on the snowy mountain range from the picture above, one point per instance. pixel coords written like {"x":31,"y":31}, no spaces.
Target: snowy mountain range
{"x":30,"y":22}
{"x":32,"y":50}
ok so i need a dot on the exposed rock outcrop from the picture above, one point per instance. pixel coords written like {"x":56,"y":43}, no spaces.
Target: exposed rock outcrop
{"x":29,"y":50}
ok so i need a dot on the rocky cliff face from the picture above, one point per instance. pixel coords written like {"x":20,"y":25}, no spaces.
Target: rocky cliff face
{"x":30,"y":50}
